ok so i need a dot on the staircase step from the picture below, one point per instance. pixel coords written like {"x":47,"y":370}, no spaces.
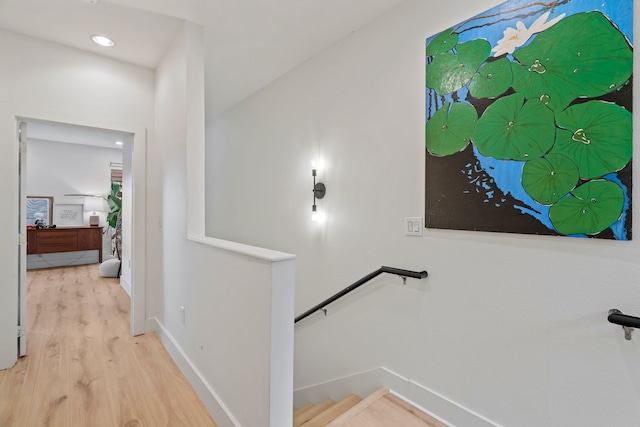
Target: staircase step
{"x":311,"y":411}
{"x":361,"y":406}
{"x":324,"y":418}
{"x":428,"y":419}
{"x":296,"y":411}
{"x":391,"y":411}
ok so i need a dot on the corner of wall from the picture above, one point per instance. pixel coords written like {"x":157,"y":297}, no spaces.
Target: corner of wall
{"x":125,"y":285}
{"x":282,"y":335}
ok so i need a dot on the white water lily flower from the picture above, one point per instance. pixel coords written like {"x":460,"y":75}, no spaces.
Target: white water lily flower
{"x":516,"y":37}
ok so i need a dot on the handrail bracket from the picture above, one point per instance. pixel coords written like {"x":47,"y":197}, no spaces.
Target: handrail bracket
{"x":627,"y":332}
{"x":628,"y":323}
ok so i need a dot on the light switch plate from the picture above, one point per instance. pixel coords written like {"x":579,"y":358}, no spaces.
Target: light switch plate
{"x":413,"y":226}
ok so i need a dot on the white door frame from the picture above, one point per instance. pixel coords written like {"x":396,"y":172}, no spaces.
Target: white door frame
{"x":138,"y":147}
{"x":22,"y":232}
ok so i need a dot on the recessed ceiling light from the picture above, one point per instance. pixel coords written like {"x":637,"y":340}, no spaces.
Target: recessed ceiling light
{"x":119,"y":142}
{"x":103,"y":40}
{"x":90,"y":1}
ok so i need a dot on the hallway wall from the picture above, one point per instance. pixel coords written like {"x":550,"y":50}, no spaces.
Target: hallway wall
{"x":512,"y":327}
{"x":235,"y":341}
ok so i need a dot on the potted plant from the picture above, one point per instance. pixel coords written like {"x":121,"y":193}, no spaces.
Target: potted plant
{"x":112,"y":267}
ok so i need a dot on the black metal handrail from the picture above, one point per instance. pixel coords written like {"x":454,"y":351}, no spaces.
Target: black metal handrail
{"x":619,"y":318}
{"x":390,"y":270}
{"x":627,"y":322}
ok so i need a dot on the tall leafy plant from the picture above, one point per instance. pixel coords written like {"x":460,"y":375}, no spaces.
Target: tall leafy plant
{"x":115,"y":205}
{"x":114,"y":217}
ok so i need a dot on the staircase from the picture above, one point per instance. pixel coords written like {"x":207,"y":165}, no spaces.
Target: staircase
{"x":380,"y":409}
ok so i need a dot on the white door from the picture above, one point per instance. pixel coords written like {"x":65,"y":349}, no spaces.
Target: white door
{"x":22,"y":240}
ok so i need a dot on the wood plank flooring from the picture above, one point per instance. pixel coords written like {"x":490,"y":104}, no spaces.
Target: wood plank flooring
{"x":84,"y":369}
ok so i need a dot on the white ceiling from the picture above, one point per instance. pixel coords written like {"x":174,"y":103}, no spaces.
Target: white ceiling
{"x":142,"y":37}
{"x":74,"y":135}
{"x":248,"y":43}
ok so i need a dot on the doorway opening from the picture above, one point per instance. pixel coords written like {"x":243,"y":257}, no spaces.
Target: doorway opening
{"x":63,"y":169}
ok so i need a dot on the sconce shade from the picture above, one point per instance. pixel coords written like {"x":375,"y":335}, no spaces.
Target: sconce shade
{"x":93,"y":204}
{"x":319,"y":190}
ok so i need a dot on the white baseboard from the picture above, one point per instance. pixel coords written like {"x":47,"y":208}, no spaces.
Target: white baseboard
{"x":125,"y":285}
{"x":364,"y":383}
{"x":203,"y":389}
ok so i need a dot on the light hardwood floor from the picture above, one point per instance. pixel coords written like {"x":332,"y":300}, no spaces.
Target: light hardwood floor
{"x":84,"y":369}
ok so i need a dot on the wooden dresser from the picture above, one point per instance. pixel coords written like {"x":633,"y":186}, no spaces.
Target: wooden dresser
{"x":64,"y":239}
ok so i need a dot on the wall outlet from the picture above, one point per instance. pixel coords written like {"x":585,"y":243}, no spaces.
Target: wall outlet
{"x":182,"y":314}
{"x":413,"y":226}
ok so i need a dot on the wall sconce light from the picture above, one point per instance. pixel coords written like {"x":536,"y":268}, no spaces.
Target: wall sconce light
{"x":319,"y":190}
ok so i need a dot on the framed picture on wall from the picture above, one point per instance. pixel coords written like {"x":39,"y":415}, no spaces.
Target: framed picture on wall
{"x":529,"y":125}
{"x":39,"y":207}
{"x":68,"y":214}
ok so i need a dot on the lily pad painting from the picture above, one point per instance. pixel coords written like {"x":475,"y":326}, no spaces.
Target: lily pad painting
{"x":528,"y":120}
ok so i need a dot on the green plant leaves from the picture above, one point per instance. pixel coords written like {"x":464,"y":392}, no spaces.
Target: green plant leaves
{"x":492,"y":79}
{"x":549,"y":178}
{"x":450,"y":129}
{"x":597,"y":136}
{"x":115,"y":205}
{"x":583,"y":55}
{"x":511,"y":129}
{"x":591,"y":208}
{"x":449,"y":72}
{"x":444,"y":42}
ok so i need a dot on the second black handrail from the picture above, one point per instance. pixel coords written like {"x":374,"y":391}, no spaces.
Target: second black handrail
{"x":356,"y":285}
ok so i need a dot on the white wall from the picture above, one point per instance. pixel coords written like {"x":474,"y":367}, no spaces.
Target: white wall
{"x":512,"y":327}
{"x":57,"y":168}
{"x":40,"y":80}
{"x":236,"y":342}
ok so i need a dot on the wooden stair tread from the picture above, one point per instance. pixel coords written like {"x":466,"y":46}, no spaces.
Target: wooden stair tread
{"x":391,"y":411}
{"x":359,"y":407}
{"x":311,"y":411}
{"x":296,"y":411}
{"x":328,"y":415}
{"x":430,"y":421}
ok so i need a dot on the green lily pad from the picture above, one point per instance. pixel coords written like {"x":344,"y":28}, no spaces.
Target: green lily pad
{"x":511,"y":129}
{"x":583,"y":55}
{"x":492,"y":79}
{"x":474,"y":52}
{"x":443,"y":42}
{"x":449,"y":72}
{"x":549,"y":178}
{"x":597,"y":136}
{"x":591,"y":208}
{"x":448,"y":131}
